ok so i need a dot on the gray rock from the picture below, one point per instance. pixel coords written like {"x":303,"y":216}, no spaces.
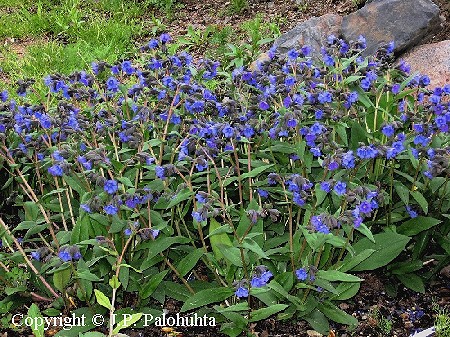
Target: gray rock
{"x":405,"y":22}
{"x":312,"y":32}
{"x":433,"y":60}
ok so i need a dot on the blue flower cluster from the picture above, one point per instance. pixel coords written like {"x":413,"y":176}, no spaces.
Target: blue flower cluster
{"x":293,"y":136}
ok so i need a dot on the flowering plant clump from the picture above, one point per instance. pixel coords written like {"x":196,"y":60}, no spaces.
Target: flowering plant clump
{"x":260,"y":191}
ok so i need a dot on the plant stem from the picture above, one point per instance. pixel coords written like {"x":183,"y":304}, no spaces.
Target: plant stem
{"x":27,"y":260}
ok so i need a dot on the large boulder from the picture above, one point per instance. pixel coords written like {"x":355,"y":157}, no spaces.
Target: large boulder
{"x":406,"y":22}
{"x":433,"y":60}
{"x":312,"y":32}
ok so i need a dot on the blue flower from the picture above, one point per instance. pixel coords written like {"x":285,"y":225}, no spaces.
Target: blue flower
{"x":332,"y":166}
{"x":365,"y":207}
{"x":328,"y":60}
{"x":306,"y":50}
{"x":4,"y":96}
{"x":424,"y":80}
{"x":112,"y":84}
{"x":159,"y":171}
{"x":164,"y":38}
{"x":110,"y":209}
{"x":198,"y":216}
{"x":128,"y":232}
{"x":301,"y":274}
{"x":241,"y":292}
{"x":298,"y":200}
{"x":325,"y":186}
{"x":201,"y":198}
{"x":340,"y":188}
{"x":292,"y":54}
{"x":86,"y":208}
{"x":36,"y":255}
{"x":365,"y":83}
{"x":366,"y":152}
{"x":127,"y":67}
{"x":388,"y":130}
{"x":357,"y":222}
{"x":396,"y":88}
{"x":257,"y":282}
{"x":153,"y":44}
{"x":412,"y":213}
{"x":319,"y":226}
{"x":262,"y":193}
{"x":56,"y":171}
{"x":76,"y":255}
{"x":248,"y":131}
{"x":266,"y":276}
{"x":65,"y":255}
{"x":325,"y":97}
{"x":228,"y":131}
{"x":263,"y":105}
{"x":111,"y":186}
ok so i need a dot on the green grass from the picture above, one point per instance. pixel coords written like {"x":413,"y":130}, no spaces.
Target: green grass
{"x":39,"y":37}
{"x":64,"y":36}
{"x":442,"y":322}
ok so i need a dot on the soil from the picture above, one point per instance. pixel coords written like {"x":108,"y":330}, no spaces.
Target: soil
{"x":287,"y":13}
{"x":408,"y":311}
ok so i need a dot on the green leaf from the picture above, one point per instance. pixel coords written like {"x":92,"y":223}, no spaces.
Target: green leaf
{"x":176,"y":291}
{"x":264,"y":313}
{"x":406,"y":267}
{"x":254,"y":247}
{"x":366,"y":232}
{"x":189,"y":261}
{"x":124,"y":276}
{"x":342,"y":132}
{"x":257,"y":171}
{"x":31,"y":211}
{"x":412,"y":281}
{"x":335,"y":275}
{"x":387,"y":246}
{"x":318,"y":322}
{"x":420,"y":200}
{"x":358,"y":134}
{"x":416,"y":225}
{"x":36,"y":327}
{"x":181,"y":196}
{"x":336,"y":314}
{"x":205,"y":297}
{"x":117,"y":224}
{"x":232,"y":254}
{"x":402,"y":191}
{"x":218,"y":239}
{"x":87,"y":275}
{"x":102,"y":299}
{"x":128,"y":320}
{"x":61,"y":278}
{"x":320,"y":194}
{"x":351,"y":79}
{"x":160,"y":244}
{"x":125,"y":181}
{"x":346,"y":291}
{"x":152,"y":284}
{"x":352,"y":261}
{"x":242,"y":306}
{"x":363,"y":97}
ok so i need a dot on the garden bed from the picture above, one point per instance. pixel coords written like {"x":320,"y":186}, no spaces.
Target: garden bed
{"x":307,"y":190}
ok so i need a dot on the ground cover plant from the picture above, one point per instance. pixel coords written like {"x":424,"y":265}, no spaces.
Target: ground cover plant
{"x":240,"y":194}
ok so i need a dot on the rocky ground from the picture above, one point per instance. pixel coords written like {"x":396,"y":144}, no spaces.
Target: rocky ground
{"x":287,"y":13}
